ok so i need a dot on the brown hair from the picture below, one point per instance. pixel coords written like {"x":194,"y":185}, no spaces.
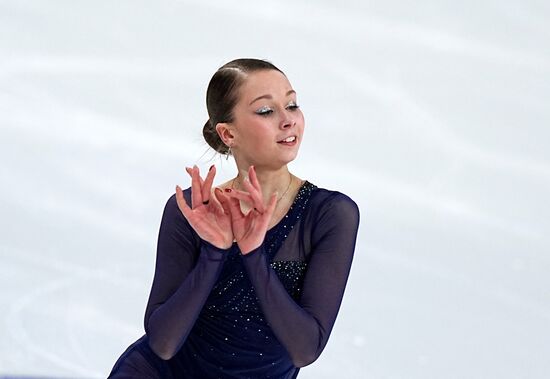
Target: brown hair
{"x":221,"y":96}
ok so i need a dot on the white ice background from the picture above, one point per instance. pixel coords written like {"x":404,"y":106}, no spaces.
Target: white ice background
{"x":432,"y":115}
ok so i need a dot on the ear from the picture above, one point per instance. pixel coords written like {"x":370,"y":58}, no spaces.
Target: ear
{"x":225,"y":131}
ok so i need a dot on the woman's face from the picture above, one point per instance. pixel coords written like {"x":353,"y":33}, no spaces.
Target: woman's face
{"x":267,"y":123}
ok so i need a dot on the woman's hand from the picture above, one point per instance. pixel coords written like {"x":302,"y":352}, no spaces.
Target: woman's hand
{"x":208,"y":215}
{"x":250,"y":229}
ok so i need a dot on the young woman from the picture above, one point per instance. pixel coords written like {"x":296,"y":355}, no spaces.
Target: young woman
{"x":249,"y":275}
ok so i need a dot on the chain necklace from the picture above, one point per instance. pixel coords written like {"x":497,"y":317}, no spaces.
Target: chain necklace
{"x":284,"y":193}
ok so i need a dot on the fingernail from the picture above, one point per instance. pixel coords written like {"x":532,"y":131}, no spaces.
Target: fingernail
{"x":211,"y":167}
{"x":228,"y":190}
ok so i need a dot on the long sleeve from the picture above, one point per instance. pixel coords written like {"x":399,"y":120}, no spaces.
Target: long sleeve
{"x":303,"y":328}
{"x":185,"y":272}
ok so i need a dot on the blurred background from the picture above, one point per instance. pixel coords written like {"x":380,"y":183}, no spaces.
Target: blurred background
{"x":432,"y":115}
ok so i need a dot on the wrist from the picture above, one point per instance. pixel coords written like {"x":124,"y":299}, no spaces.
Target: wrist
{"x":250,"y":250}
{"x":221,"y":249}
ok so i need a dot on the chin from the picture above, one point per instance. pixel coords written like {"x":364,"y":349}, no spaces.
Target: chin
{"x":275,"y":159}
{"x":278,"y":162}
{"x":288,"y":158}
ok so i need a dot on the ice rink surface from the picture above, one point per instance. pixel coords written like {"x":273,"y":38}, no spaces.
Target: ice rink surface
{"x":433,"y":116}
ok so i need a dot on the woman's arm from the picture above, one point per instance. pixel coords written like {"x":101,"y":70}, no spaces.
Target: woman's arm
{"x":185,"y":272}
{"x":304,"y":328}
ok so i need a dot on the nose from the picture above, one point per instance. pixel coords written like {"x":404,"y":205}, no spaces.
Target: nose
{"x":287,"y":122}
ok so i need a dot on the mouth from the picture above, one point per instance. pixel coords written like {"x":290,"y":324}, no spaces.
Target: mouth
{"x":289,"y":141}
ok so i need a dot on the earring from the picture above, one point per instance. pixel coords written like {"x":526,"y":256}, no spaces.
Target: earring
{"x":228,"y":153}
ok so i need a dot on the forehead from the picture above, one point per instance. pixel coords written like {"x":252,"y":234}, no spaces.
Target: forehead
{"x":265,"y":82}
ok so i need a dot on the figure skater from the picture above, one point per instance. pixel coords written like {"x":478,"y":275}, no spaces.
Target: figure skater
{"x":249,"y":273}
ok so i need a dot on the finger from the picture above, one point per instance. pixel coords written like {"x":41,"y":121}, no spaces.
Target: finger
{"x":270,"y":208}
{"x":250,"y":188}
{"x":234,"y":208}
{"x":256,"y":211}
{"x":196,"y":195}
{"x":182,"y":203}
{"x":266,"y":217}
{"x":241,"y":195}
{"x":272,"y":204}
{"x":254,"y":178}
{"x":190,"y":172}
{"x":223,"y":200}
{"x":207,"y":184}
{"x":257,"y":200}
{"x":215,"y":201}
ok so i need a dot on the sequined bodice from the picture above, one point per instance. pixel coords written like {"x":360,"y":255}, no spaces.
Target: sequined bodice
{"x":231,"y":315}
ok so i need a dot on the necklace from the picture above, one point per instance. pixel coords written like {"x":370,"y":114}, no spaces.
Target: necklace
{"x":284,"y":193}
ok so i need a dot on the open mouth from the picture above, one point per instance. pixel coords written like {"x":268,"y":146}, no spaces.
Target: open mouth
{"x":288,"y":141}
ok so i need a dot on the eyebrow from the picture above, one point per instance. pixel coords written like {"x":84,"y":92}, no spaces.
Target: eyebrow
{"x":268,"y":96}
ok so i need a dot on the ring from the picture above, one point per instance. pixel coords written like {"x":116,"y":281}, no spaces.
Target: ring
{"x":206,"y":202}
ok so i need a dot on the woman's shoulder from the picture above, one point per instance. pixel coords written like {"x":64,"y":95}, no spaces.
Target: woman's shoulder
{"x":331,"y":210}
{"x":321,"y":196}
{"x":331,"y":205}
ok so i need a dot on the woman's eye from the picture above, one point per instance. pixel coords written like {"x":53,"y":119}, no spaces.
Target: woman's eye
{"x":264,"y":111}
{"x":293,"y":106}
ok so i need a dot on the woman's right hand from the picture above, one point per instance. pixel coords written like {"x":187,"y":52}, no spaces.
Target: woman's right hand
{"x":208,"y":215}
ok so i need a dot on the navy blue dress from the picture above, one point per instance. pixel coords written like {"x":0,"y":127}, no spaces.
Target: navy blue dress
{"x":215,"y":313}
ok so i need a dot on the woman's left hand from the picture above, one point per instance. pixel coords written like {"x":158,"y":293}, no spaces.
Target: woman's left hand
{"x":249,"y":229}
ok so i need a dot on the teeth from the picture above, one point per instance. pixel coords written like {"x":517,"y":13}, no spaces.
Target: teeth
{"x":290,"y":139}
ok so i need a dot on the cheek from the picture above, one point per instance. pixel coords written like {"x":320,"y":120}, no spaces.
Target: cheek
{"x":258,"y":133}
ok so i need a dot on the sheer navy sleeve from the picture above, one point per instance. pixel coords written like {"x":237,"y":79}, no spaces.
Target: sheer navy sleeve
{"x":303,"y":328}
{"x":185,"y":272}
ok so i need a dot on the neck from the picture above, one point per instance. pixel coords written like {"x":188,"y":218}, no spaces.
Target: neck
{"x":270,"y":180}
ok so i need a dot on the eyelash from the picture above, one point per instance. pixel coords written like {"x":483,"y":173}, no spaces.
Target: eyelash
{"x":266,"y":111}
